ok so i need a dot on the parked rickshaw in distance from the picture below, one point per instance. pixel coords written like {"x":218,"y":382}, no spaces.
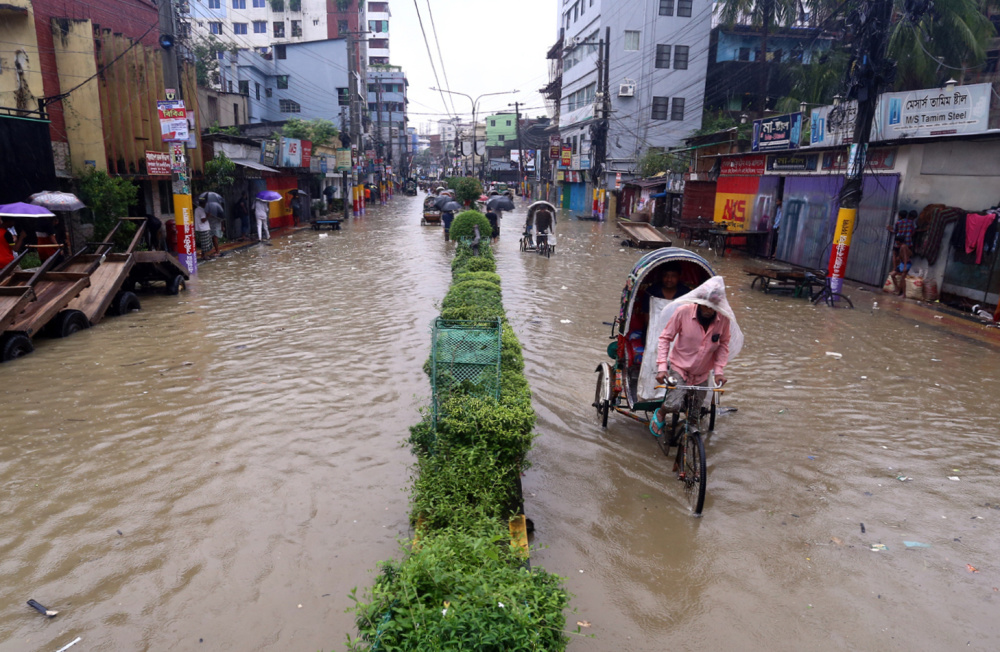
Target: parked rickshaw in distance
{"x":410,"y":187}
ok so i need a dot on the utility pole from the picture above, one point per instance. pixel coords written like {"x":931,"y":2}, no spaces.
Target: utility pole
{"x":520,"y":147}
{"x":344,"y":174}
{"x":764,"y":70}
{"x":867,"y":75}
{"x":352,"y":83}
{"x":599,"y":129}
{"x":181,"y":172}
{"x":379,"y":144}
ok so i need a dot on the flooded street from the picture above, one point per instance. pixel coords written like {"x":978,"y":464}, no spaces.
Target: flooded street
{"x":245,"y":439}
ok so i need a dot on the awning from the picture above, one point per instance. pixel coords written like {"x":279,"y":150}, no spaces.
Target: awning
{"x":254,"y":165}
{"x":648,"y":183}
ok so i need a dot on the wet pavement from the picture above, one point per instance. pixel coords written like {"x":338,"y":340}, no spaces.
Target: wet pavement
{"x":246,"y":439}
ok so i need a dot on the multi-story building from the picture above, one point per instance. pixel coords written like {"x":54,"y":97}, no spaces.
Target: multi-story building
{"x":657,"y":68}
{"x":296,"y":82}
{"x":258,"y":24}
{"x":387,"y":87}
{"x":378,"y":38}
{"x":501,"y":130}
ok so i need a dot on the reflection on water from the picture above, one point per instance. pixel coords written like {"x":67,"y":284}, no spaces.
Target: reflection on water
{"x":245,"y":438}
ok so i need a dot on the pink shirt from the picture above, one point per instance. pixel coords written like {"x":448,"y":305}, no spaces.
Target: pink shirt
{"x":695,"y":353}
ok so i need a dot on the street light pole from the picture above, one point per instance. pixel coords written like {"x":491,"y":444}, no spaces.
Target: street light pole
{"x":474,"y":102}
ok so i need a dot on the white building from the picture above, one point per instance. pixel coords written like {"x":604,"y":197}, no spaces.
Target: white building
{"x":259,"y":24}
{"x":378,"y":39}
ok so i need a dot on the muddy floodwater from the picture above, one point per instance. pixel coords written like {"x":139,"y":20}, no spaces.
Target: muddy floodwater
{"x":219,"y":470}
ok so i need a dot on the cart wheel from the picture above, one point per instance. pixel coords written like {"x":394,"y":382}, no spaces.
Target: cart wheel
{"x":125,"y":303}
{"x":68,"y":322}
{"x":602,"y":394}
{"x":838,"y":300}
{"x":175,"y":286}
{"x":15,"y":345}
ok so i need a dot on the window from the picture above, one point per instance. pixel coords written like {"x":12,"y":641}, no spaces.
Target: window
{"x":501,"y":138}
{"x":677,"y":110}
{"x":576,"y":12}
{"x":631,"y":40}
{"x":583,"y":7}
{"x":342,"y":27}
{"x":666,"y":7}
{"x":493,"y":123}
{"x":296,"y":28}
{"x":236,"y":113}
{"x":343,"y":97}
{"x":372,"y":88}
{"x":277,"y":5}
{"x":378,"y":26}
{"x":289,"y":106}
{"x":215,"y":27}
{"x":166,"y":193}
{"x":245,"y":87}
{"x":378,"y":61}
{"x":684,"y":8}
{"x":380,"y":7}
{"x":662,"y":56}
{"x":379,"y":43}
{"x":279,"y":29}
{"x":215,"y":4}
{"x":744,"y":54}
{"x":280,"y":51}
{"x":268,"y":92}
{"x":508,"y":123}
{"x":661,"y":108}
{"x":239,"y":28}
{"x":282,"y":82}
{"x":681,"y":57}
{"x":259,"y":27}
{"x":239,"y":4}
{"x":230,"y":85}
{"x":256,"y":86}
{"x":259,"y":4}
{"x":581,"y":98}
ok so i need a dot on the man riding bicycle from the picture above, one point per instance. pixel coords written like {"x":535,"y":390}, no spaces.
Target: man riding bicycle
{"x":543,"y":221}
{"x":697,"y":340}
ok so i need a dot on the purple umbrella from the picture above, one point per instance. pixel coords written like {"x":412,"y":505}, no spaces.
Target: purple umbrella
{"x":269,"y":195}
{"x":20,"y":209}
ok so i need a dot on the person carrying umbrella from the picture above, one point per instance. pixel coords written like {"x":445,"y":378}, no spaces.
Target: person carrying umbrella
{"x":203,"y":230}
{"x":262,"y":213}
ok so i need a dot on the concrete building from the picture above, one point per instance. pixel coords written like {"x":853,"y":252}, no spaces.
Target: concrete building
{"x":378,"y":16}
{"x":387,"y":87}
{"x":303,"y":83}
{"x":222,"y":109}
{"x":501,"y":130}
{"x":259,"y":24}
{"x":658,"y":63}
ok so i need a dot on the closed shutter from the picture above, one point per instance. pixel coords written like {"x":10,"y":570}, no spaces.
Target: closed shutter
{"x":699,"y":200}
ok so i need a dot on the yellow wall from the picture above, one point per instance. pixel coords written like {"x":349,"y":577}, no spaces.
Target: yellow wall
{"x":18,"y":42}
{"x":74,"y":47}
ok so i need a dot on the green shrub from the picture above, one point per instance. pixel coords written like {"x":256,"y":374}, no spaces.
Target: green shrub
{"x":477,"y":265}
{"x":30,"y":261}
{"x":461,"y":227}
{"x":467,"y":189}
{"x":462,"y":590}
{"x":474,"y":294}
{"x":490,"y":277}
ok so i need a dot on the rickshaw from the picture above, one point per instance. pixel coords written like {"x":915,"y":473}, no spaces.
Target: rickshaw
{"x":431,"y":215}
{"x":627,"y":385}
{"x":410,"y":187}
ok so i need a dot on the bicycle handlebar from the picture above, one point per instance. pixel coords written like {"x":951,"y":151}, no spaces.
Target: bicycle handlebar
{"x":702,"y":388}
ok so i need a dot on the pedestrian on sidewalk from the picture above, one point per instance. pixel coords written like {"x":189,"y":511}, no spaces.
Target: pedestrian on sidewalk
{"x":216,"y":215}
{"x":203,"y":230}
{"x":243,"y":216}
{"x":902,"y":245}
{"x":262,"y":212}
{"x":773,"y":244}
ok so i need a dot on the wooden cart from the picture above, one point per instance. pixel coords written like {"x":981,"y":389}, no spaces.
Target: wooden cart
{"x":642,"y":235}
{"x":155,"y":267}
{"x":108,"y":273}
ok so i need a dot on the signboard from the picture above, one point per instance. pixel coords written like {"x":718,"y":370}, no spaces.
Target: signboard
{"x":618,"y":180}
{"x":343,"y":159}
{"x":567,"y":156}
{"x":742,"y":166}
{"x":934,"y":112}
{"x":177,"y":160}
{"x":307,"y":148}
{"x":734,"y":200}
{"x":584,"y":162}
{"x":529,"y":160}
{"x":158,"y":163}
{"x":878,"y":159}
{"x":269,"y":152}
{"x":291,"y":152}
{"x":555,"y":146}
{"x":184,"y":221}
{"x":832,"y":126}
{"x":792,"y":162}
{"x":779,"y":132}
{"x":575,"y":162}
{"x":173,"y":121}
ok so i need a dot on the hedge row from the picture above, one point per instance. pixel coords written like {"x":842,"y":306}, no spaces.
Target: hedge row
{"x":462,"y":585}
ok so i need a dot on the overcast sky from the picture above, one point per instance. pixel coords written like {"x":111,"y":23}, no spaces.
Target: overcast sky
{"x":487,"y":45}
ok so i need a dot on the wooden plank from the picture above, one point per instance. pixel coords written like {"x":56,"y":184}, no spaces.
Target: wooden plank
{"x":11,"y":305}
{"x":51,"y":297}
{"x":104,"y":285}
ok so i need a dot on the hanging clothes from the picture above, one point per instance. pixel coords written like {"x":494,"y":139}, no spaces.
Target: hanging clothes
{"x":958,"y":234}
{"x":975,"y":233}
{"x":990,"y":239}
{"x":930,"y":245}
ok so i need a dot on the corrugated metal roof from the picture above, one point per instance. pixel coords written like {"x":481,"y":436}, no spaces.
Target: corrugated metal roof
{"x":249,"y":163}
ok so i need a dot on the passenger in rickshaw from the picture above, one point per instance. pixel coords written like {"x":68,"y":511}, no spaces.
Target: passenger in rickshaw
{"x":667,"y":285}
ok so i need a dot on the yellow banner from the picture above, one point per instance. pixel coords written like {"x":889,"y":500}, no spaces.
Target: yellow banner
{"x":734,"y":209}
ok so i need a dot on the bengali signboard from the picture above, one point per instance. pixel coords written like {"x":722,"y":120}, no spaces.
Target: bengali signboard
{"x":567,"y":156}
{"x":779,"y":132}
{"x":742,"y":166}
{"x":269,"y":152}
{"x":173,"y":121}
{"x":343,"y":159}
{"x":934,"y":112}
{"x":792,"y":162}
{"x":555,"y":146}
{"x":878,"y":159}
{"x":158,"y":163}
{"x":832,"y":126}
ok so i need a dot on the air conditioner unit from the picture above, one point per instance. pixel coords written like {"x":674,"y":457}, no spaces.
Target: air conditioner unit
{"x":626,"y":89}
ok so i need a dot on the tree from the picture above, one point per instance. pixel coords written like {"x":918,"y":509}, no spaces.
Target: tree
{"x":206,"y":51}
{"x":655,"y":160}
{"x":220,"y":173}
{"x":109,"y":198}
{"x":317,"y":130}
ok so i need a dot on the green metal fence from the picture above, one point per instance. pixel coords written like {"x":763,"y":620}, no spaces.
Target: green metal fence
{"x":465,"y":357}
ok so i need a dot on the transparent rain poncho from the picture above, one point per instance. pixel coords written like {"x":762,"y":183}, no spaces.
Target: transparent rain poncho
{"x":711,"y":293}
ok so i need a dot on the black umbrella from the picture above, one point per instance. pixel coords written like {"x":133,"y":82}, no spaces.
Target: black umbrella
{"x":452,"y":207}
{"x":442,"y":200}
{"x":211,"y":197}
{"x":215,"y":209}
{"x":500,"y":203}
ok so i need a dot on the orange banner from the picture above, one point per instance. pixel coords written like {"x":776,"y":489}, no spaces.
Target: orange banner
{"x":734,"y":209}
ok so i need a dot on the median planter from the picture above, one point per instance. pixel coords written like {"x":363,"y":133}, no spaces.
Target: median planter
{"x":463,"y":583}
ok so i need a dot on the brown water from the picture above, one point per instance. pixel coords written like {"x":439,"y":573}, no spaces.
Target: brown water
{"x":245,"y":437}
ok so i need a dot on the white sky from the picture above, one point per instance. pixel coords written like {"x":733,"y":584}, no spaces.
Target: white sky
{"x":488,"y":46}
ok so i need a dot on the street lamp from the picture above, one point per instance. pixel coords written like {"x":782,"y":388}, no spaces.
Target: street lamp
{"x":474,"y":102}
